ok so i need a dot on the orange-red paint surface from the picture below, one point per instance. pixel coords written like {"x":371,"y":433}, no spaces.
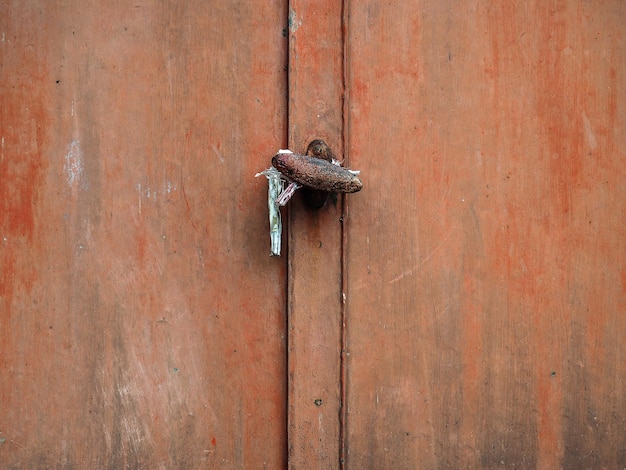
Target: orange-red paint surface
{"x":142,"y":322}
{"x":486,"y":301}
{"x":466,"y":309}
{"x":315,"y":242}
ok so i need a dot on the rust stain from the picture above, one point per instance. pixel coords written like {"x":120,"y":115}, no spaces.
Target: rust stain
{"x":24,"y":119}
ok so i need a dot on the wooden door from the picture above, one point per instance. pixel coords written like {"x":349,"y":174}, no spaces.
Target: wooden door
{"x":465,"y":310}
{"x":477,"y":317}
{"x":142,"y":322}
{"x":486,"y":275}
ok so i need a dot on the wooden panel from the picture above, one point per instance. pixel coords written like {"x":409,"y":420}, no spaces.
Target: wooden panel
{"x":315,"y":240}
{"x":486,"y":278}
{"x":142,"y":320}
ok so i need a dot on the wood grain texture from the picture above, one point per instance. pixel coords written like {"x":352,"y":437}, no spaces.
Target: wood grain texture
{"x":142,"y":324}
{"x":315,"y":242}
{"x":486,"y":283}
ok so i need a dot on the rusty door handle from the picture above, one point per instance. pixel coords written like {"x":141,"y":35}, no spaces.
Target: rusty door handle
{"x":317,"y":172}
{"x":317,"y":169}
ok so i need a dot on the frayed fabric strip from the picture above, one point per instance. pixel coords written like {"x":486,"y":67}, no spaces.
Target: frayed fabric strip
{"x":289,"y":191}
{"x":276,"y":183}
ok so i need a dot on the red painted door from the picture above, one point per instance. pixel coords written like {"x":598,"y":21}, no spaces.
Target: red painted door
{"x":486,"y":254}
{"x":465,"y":310}
{"x":142,"y":322}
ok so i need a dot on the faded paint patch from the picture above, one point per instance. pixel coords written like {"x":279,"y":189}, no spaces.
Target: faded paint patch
{"x":148,"y":193}
{"x":591,"y":137}
{"x":73,"y":167}
{"x":294,"y":22}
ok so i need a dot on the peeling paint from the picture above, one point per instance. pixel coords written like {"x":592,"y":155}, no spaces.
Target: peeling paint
{"x":294,"y":22}
{"x":74,"y":163}
{"x":148,"y":193}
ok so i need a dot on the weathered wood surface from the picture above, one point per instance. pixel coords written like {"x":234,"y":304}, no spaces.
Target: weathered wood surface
{"x":486,"y":255}
{"x":142,"y":322}
{"x":315,"y":240}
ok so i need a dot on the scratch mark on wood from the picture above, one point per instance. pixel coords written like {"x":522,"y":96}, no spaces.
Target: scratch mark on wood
{"x":414,"y":269}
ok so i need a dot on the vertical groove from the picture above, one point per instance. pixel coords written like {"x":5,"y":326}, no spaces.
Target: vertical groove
{"x":289,"y":251}
{"x":344,"y":241}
